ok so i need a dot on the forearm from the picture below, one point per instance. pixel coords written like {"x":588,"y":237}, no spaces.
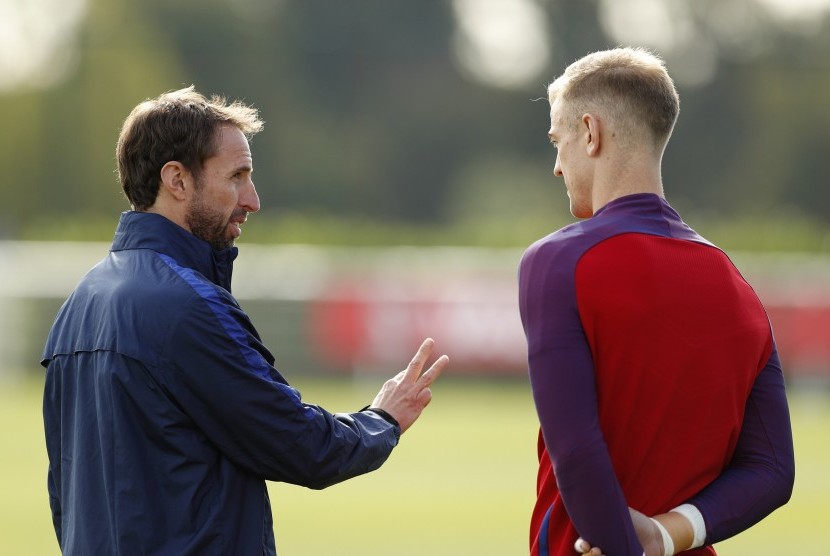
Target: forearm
{"x":685,"y":528}
{"x":760,"y":475}
{"x":375,"y":438}
{"x":567,"y":408}
{"x":589,"y":477}
{"x":758,"y":494}
{"x":327,"y":449}
{"x":665,"y":534}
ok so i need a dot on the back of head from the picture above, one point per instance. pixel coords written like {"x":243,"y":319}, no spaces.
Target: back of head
{"x":629,"y":85}
{"x":178,"y":126}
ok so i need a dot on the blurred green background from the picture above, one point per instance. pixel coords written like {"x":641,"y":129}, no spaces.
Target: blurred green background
{"x":461,"y":482}
{"x":389,"y":123}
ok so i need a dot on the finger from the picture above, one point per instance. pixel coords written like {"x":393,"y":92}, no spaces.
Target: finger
{"x":582,"y":546}
{"x":434,"y":371}
{"x":424,"y":397}
{"x":420,"y":359}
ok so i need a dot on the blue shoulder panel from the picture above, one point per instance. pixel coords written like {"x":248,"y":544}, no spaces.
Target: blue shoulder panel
{"x":207,"y":291}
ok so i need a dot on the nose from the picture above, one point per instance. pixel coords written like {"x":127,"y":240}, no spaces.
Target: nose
{"x":249,"y":200}
{"x":557,"y":168}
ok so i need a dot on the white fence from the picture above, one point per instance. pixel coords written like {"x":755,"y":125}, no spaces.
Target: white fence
{"x":346,"y":310}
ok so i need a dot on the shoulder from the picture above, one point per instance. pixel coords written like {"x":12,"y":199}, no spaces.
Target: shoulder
{"x":563,"y":248}
{"x":165,"y":292}
{"x":187,"y":282}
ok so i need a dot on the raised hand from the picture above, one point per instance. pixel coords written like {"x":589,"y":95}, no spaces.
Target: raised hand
{"x":405,"y":395}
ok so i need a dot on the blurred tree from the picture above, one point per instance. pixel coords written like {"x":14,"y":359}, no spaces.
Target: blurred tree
{"x":369,"y":115}
{"x":58,"y":145}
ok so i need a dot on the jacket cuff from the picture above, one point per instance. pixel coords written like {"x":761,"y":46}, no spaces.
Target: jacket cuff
{"x":381,"y":413}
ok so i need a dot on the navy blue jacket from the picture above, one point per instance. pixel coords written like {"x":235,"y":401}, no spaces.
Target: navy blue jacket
{"x":164,"y":414}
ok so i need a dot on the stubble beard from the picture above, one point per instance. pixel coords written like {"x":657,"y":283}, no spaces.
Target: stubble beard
{"x":209,"y":225}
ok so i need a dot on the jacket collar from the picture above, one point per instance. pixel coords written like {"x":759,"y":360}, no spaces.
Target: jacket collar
{"x":145,"y":230}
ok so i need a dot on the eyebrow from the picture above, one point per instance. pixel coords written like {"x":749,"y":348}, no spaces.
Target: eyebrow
{"x":242,"y":168}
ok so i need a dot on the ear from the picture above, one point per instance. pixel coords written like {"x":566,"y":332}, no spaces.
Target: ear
{"x":593,"y":130}
{"x":175,"y":179}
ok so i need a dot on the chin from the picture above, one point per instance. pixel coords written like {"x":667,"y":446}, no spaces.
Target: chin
{"x":581,"y":211}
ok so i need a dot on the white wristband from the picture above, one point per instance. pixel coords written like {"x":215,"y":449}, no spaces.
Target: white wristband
{"x":693,"y":515}
{"x":668,"y":544}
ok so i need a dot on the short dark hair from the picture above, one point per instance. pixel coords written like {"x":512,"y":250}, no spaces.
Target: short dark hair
{"x":179,"y":125}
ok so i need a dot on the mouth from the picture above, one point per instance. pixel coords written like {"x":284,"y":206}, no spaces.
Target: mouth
{"x":235,"y":224}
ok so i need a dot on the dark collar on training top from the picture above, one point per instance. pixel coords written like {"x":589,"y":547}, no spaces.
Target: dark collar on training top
{"x":146,"y":230}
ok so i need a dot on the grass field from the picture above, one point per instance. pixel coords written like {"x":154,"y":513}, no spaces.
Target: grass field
{"x":461,"y":482}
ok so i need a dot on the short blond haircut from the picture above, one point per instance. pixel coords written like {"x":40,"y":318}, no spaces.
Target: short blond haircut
{"x":630,"y":85}
{"x":181,"y":125}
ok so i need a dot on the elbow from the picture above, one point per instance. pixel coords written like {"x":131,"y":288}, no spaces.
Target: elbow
{"x":318,"y":471}
{"x":305,"y":472}
{"x":326,"y":476}
{"x":317,"y":484}
{"x":780,"y":482}
{"x":786,"y":481}
{"x":575,"y":464}
{"x":786,"y":474}
{"x":350,"y":445}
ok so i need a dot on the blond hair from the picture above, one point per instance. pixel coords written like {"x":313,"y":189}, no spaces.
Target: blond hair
{"x":630,"y":85}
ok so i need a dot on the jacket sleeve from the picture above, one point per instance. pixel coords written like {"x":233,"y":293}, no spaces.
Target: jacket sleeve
{"x":51,"y":421}
{"x":761,"y":472}
{"x":562,"y":379}
{"x":221,"y":376}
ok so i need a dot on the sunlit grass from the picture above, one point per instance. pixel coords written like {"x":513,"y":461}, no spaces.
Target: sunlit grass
{"x":460,"y":483}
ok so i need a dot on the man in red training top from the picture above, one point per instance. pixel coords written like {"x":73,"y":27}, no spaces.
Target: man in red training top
{"x":652,"y":362}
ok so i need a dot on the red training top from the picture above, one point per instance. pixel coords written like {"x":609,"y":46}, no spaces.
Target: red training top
{"x":645,"y":348}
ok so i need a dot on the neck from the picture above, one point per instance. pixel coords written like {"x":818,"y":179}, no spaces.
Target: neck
{"x":174,"y":213}
{"x":633,"y":175}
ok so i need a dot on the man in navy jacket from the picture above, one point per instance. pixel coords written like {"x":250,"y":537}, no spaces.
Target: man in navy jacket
{"x":163,"y":412}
